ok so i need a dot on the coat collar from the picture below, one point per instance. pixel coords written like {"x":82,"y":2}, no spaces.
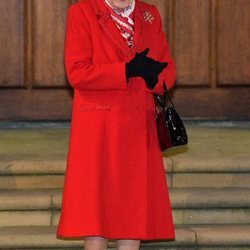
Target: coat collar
{"x":111,"y":30}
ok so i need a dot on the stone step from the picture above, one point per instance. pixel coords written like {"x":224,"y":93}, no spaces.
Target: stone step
{"x":209,"y":180}
{"x":32,"y":167}
{"x":195,"y":216}
{"x":181,"y":217}
{"x":183,"y":163}
{"x":31,"y":182}
{"x":174,"y":180}
{"x":190,"y":206}
{"x":201,"y":237}
{"x":210,"y":149}
{"x":210,"y":197}
{"x":188,"y":198}
{"x":215,"y":157}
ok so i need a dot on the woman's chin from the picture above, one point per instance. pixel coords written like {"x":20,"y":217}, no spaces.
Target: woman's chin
{"x":121,"y":4}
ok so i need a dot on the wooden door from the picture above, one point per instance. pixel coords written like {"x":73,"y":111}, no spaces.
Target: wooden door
{"x":209,"y":40}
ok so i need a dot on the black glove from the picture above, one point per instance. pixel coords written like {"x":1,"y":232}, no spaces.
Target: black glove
{"x":145,"y":67}
{"x":151,"y":79}
{"x":137,"y":66}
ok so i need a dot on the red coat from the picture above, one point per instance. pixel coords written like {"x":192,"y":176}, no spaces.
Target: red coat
{"x":115,"y":184}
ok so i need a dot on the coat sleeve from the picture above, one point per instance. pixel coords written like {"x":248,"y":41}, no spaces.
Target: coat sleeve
{"x":168,"y":74}
{"x":78,"y":53}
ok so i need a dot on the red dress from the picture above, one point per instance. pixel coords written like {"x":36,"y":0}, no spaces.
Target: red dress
{"x":115,"y":184}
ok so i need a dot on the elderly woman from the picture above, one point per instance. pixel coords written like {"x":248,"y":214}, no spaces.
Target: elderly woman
{"x":116,"y":57}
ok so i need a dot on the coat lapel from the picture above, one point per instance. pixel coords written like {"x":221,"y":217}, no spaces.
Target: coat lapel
{"x":111,"y":30}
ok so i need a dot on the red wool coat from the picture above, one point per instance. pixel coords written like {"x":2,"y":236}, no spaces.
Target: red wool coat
{"x":115,"y":185}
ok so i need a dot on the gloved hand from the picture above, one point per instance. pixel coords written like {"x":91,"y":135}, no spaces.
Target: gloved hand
{"x":137,"y":66}
{"x":145,"y":67}
{"x":151,"y":79}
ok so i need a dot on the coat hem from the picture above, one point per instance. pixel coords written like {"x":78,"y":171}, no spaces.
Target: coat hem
{"x":170,"y":237}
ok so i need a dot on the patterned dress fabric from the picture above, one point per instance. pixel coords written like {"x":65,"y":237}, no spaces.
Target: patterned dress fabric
{"x":123,"y":19}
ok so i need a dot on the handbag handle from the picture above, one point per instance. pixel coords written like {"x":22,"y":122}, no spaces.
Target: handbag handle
{"x":166,"y":95}
{"x":163,"y":99}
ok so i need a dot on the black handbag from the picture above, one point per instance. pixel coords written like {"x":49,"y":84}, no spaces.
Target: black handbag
{"x":170,"y":128}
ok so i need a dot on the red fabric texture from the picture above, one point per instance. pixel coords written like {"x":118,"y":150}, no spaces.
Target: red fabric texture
{"x":115,"y":184}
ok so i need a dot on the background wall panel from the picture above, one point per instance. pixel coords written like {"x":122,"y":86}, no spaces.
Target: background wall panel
{"x":48,"y":41}
{"x":192,"y":41}
{"x":234,"y":42}
{"x":12,"y":43}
